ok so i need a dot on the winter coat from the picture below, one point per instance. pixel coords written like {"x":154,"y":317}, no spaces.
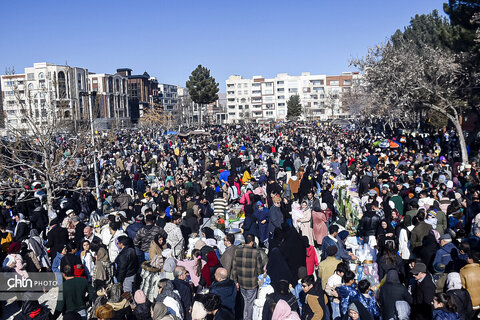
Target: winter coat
{"x":391,"y":292}
{"x":420,"y":231}
{"x":443,"y":314}
{"x":443,"y":257}
{"x":312,"y":260}
{"x":305,"y":225}
{"x":112,"y":245}
{"x":127,"y":264}
{"x":368,"y":224}
{"x":174,"y":238}
{"x":276,"y":218}
{"x":250,"y":226}
{"x":261,"y":215}
{"x":422,"y":293}
{"x":320,"y":219}
{"x":226,"y":259}
{"x":471,"y":281}
{"x":227,"y":291}
{"x":146,"y":235}
{"x":150,"y":278}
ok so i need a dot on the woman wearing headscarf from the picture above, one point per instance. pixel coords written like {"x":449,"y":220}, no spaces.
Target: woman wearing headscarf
{"x":320,"y":219}
{"x":262,"y":216}
{"x":142,"y":308}
{"x":170,"y":297}
{"x":14,"y":260}
{"x":208,"y":270}
{"x":385,"y":234}
{"x":160,"y":312}
{"x":356,"y":311}
{"x":390,"y":293}
{"x":277,"y":267}
{"x":156,"y":246}
{"x":35,"y":243}
{"x":293,"y":249}
{"x":102,"y":274}
{"x":121,"y":306}
{"x":305,"y":222}
{"x":284,"y":312}
{"x":460,"y":295}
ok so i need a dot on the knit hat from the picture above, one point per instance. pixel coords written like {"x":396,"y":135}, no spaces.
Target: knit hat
{"x":353,"y":307}
{"x":432,"y":213}
{"x":343,"y":235}
{"x":104,"y":312}
{"x":140,"y":297}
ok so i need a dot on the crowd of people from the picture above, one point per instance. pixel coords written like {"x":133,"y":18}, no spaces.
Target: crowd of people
{"x":247,"y":223}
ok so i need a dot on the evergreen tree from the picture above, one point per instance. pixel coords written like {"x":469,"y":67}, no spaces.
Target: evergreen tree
{"x":294,"y":107}
{"x":202,"y":87}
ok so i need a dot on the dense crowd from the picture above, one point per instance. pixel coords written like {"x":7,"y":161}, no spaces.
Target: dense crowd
{"x":252,"y":222}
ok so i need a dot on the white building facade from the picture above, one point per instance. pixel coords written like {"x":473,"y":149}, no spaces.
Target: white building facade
{"x":260,"y":99}
{"x":49,"y":93}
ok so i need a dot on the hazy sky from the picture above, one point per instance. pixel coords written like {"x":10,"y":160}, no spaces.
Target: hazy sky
{"x":168,"y":39}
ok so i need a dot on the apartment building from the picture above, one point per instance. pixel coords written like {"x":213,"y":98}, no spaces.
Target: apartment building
{"x":265,"y":99}
{"x":111,"y":101}
{"x":49,"y":93}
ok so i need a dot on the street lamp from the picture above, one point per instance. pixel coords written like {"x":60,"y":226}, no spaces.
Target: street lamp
{"x":92,"y":132}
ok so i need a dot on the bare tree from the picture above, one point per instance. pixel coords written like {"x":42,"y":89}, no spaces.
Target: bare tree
{"x":34,"y":148}
{"x":402,"y":80}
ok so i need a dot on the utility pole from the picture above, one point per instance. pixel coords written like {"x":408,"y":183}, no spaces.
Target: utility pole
{"x":92,"y":132}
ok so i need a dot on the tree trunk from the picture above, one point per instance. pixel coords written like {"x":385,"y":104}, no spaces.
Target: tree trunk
{"x":461,"y":139}
{"x":458,"y":127}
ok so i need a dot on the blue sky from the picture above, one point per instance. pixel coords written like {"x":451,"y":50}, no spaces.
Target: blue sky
{"x":168,"y":39}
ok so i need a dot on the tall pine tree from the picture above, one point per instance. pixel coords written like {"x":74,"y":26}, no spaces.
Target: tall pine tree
{"x":202,"y":87}
{"x":294,"y":107}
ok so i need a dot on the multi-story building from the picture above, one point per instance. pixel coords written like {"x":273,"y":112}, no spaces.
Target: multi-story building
{"x":47,"y":94}
{"x":168,"y":95}
{"x":142,"y":92}
{"x":260,"y":99}
{"x":111,"y":101}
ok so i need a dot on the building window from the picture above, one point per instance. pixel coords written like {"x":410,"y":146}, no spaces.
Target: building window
{"x":292,"y":90}
{"x":347,"y":82}
{"x":269,"y":113}
{"x":280,"y":97}
{"x":30,"y":86}
{"x":318,"y":89}
{"x":245,"y":92}
{"x":62,"y":88}
{"x":246,"y":107}
{"x":280,"y":89}
{"x":334,"y":82}
{"x":280,"y":82}
{"x":317,"y":82}
{"x":269,"y":106}
{"x":41,"y":75}
{"x":30,"y":76}
{"x":281,"y":104}
{"x":269,"y":84}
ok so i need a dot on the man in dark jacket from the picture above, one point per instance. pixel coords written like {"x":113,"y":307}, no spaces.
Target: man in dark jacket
{"x":276,"y":215}
{"x":57,"y":238}
{"x":368,"y":224}
{"x":181,"y":284}
{"x":422,"y":292}
{"x":126,"y":263}
{"x":225,"y":288}
{"x":147,"y":234}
